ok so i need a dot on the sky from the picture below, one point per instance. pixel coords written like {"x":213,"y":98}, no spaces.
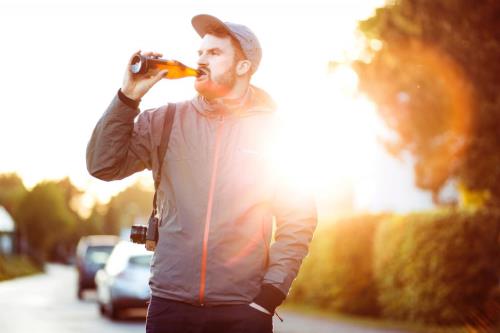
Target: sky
{"x":63,"y":62}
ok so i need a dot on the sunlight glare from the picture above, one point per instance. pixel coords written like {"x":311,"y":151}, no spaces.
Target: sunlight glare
{"x":328,"y":135}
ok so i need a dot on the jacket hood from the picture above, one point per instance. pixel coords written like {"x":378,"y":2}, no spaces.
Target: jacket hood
{"x":255,"y":100}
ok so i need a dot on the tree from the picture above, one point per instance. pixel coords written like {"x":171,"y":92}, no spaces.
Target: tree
{"x":67,"y":245}
{"x":125,"y":207}
{"x":94,"y":224}
{"x":12,"y":191}
{"x":71,"y":193}
{"x":435,"y":75}
{"x":45,"y":220}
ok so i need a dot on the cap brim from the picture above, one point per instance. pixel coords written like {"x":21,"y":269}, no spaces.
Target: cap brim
{"x":204,"y":23}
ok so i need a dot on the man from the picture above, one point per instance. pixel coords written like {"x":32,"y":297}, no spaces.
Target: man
{"x":214,"y":269}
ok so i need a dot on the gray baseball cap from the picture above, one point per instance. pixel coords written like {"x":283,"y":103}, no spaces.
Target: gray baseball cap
{"x":246,"y":38}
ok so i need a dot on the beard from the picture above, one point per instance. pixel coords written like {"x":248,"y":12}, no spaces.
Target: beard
{"x":216,"y":87}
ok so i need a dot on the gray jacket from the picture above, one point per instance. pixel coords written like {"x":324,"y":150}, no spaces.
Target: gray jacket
{"x":217,"y":197}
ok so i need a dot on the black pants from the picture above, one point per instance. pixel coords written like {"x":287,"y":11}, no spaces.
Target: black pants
{"x":167,"y":316}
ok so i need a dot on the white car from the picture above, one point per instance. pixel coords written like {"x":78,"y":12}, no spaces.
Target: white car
{"x":123,"y":282}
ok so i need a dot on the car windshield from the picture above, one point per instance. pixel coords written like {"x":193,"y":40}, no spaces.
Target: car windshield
{"x":142,"y":261}
{"x":98,"y":254}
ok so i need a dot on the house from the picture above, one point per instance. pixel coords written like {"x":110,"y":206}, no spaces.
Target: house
{"x":7,"y":229}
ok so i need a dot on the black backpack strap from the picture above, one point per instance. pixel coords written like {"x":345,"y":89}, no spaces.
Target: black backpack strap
{"x":161,"y":150}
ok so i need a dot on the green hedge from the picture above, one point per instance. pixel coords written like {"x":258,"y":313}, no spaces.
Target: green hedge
{"x":337,"y":273}
{"x":437,"y":267}
{"x":16,"y":266}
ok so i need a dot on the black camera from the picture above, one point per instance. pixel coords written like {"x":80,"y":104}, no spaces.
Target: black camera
{"x":139,"y":233}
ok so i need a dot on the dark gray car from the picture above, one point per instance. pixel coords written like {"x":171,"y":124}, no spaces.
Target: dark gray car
{"x":92,"y":253}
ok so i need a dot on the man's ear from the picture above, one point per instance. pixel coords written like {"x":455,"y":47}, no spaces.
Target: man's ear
{"x":243,"y":67}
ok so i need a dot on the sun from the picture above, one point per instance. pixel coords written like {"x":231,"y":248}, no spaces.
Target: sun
{"x":328,"y":135}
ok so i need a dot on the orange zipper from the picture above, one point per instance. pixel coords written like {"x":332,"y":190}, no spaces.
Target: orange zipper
{"x":209,"y":212}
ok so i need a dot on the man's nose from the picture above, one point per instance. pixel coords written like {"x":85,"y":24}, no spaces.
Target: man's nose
{"x":202,"y":60}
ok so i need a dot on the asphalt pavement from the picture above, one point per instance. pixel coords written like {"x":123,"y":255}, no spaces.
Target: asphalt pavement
{"x":47,"y":302}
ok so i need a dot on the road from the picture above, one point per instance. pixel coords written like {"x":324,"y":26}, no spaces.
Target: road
{"x":47,"y":303}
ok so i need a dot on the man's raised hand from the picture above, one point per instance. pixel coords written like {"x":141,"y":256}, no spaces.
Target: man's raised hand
{"x":135,"y":86}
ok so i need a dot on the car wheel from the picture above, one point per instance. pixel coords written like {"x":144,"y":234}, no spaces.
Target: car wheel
{"x":113,"y":311}
{"x":102,"y":310}
{"x":80,"y":292}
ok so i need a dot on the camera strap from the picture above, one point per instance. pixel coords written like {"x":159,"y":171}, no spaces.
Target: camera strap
{"x":161,"y":150}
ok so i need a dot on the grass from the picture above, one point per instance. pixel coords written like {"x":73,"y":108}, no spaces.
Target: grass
{"x":16,"y":266}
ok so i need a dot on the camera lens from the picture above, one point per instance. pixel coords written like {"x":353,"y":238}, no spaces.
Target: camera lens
{"x":138,"y":233}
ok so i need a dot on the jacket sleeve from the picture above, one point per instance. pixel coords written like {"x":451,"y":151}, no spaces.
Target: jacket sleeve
{"x":118,"y":146}
{"x":296,"y":220}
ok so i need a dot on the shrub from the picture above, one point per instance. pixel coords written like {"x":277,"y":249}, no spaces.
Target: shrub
{"x":437,"y":267}
{"x":16,"y":266}
{"x":337,"y":274}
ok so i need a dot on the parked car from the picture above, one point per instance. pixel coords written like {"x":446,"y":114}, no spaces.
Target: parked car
{"x":123,"y":282}
{"x":92,"y":253}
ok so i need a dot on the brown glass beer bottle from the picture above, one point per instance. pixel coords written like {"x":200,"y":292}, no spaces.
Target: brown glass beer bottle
{"x":141,"y":64}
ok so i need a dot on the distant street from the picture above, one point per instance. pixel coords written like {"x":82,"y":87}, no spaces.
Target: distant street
{"x":47,"y":303}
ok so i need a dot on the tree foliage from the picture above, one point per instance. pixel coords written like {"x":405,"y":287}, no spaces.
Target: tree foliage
{"x":44,"y":220}
{"x":135,"y":202}
{"x":48,"y":226}
{"x":435,"y":74}
{"x":12,"y":191}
